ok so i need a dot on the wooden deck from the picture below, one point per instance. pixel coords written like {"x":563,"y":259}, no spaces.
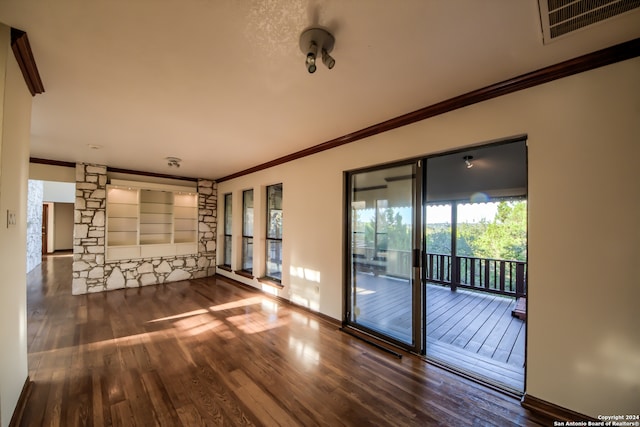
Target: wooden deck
{"x":470,"y":331}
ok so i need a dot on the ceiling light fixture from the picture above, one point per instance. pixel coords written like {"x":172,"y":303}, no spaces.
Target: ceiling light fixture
{"x":467,"y":161}
{"x":313,"y":40}
{"x":173,"y":161}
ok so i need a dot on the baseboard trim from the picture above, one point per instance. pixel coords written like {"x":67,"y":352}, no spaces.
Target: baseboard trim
{"x":552,"y":410}
{"x":372,"y":340}
{"x":16,"y":419}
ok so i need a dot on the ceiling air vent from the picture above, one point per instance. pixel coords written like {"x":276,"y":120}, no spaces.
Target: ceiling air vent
{"x":560,"y":17}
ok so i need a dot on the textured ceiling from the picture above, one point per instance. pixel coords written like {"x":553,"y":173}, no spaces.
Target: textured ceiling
{"x":222,"y":84}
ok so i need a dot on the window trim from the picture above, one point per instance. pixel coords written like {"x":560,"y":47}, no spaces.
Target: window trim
{"x":267,"y":278}
{"x":244,"y":271}
{"x":227,"y":233}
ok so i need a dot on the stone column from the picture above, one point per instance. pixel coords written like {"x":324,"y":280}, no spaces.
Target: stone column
{"x":34,"y":224}
{"x":89,"y":229}
{"x":207,"y":212}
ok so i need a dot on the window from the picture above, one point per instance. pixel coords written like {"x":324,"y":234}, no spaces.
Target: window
{"x":227,"y":230}
{"x":247,"y":231}
{"x":274,"y":233}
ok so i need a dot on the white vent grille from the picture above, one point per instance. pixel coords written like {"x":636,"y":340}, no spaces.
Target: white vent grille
{"x":560,"y":17}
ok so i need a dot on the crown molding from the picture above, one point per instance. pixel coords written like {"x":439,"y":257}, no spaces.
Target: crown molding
{"x":52,"y":162}
{"x":22,"y":51}
{"x":590,"y":61}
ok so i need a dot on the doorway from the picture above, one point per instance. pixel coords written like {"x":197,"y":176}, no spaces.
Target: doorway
{"x":45,"y":229}
{"x":437,"y":259}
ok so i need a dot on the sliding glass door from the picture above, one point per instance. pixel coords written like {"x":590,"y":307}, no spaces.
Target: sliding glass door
{"x":436,"y":259}
{"x":381,"y":297}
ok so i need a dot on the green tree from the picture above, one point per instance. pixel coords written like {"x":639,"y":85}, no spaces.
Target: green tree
{"x":439,"y":239}
{"x":506,"y":236}
{"x":469,"y":236}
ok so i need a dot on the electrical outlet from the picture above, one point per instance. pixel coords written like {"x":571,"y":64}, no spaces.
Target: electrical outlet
{"x":11,"y":218}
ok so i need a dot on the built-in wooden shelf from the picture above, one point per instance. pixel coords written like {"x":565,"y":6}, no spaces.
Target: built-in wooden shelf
{"x":150,"y":222}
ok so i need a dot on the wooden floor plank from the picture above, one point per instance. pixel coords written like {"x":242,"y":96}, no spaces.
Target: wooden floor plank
{"x":474,"y":323}
{"x":208,"y":352}
{"x":486,"y":368}
{"x":97,"y":402}
{"x":505,"y":347}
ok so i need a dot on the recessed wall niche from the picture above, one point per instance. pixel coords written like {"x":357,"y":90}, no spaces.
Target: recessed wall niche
{"x":150,"y":222}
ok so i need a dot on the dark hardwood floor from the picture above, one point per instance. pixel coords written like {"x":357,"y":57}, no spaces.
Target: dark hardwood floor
{"x":208,"y":352}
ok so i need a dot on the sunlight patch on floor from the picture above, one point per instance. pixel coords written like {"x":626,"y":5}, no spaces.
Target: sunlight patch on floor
{"x":252,"y":327}
{"x":236,"y":304}
{"x":180,"y":316}
{"x":269,"y":305}
{"x":204,"y":327}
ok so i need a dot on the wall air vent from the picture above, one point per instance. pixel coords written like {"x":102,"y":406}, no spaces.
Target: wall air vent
{"x":560,"y":17}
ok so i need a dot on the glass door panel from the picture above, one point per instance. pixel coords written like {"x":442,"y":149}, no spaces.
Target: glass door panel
{"x":381,"y":288}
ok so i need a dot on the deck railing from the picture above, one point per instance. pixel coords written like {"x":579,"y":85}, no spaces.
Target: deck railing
{"x":501,"y":276}
{"x":504,"y":277}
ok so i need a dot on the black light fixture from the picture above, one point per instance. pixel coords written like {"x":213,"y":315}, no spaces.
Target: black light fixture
{"x":467,"y":161}
{"x":313,"y":40}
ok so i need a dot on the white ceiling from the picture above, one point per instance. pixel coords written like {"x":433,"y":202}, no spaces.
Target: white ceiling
{"x":222,"y":83}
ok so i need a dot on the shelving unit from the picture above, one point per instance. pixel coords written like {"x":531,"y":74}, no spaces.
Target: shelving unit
{"x":144,"y":222}
{"x":122,"y":212}
{"x":155,"y":217}
{"x":185,"y":214}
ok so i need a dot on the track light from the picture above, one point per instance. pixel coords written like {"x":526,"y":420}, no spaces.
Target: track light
{"x":311,"y":57}
{"x":327,"y":59}
{"x":312,"y":40}
{"x":467,"y":161}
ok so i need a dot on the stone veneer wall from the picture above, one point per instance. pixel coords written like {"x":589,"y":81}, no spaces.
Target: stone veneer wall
{"x":89,"y":218}
{"x":91,"y":273}
{"x":207,"y":223}
{"x":35,"y":195}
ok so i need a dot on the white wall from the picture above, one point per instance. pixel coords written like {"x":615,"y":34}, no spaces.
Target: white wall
{"x":52,"y":173}
{"x":15,"y":116}
{"x":60,"y":192}
{"x":584,"y":203}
